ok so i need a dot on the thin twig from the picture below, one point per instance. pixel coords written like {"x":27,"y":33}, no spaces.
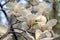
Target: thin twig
{"x":19,"y":34}
{"x":23,"y":30}
{"x":8,"y":21}
{"x":5,"y":35}
{"x":5,"y":3}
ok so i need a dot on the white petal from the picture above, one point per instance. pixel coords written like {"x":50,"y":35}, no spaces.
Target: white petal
{"x":19,"y":31}
{"x":41,"y":18}
{"x":21,"y":18}
{"x":48,"y":34}
{"x":47,"y":38}
{"x":11,"y":5}
{"x":37,"y":33}
{"x":43,"y":7}
{"x":30,"y":19}
{"x":52,"y":22}
{"x":22,"y":11}
{"x":24,"y":26}
{"x":30,"y":36}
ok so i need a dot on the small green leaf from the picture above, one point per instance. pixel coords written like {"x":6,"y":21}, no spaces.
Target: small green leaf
{"x":33,"y":24}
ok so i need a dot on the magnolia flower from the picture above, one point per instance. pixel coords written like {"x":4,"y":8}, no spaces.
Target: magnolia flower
{"x":46,"y":35}
{"x":49,"y":24}
{"x":40,"y":7}
{"x":38,"y":22}
{"x":27,"y":20}
{"x":11,"y":5}
{"x":3,"y":29}
{"x":32,"y":19}
{"x":47,"y":32}
{"x":40,"y":35}
{"x":43,"y":7}
{"x":18,"y":9}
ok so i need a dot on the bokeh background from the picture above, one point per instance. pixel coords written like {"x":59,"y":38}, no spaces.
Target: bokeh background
{"x":55,"y":13}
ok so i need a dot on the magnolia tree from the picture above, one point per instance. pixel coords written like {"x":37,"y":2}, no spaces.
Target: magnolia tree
{"x":25,"y":25}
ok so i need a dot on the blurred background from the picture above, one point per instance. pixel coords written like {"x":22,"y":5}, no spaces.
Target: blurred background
{"x":55,"y":13}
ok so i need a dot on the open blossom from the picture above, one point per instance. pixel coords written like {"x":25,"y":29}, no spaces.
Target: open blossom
{"x":18,"y":9}
{"x":30,"y":19}
{"x":41,"y":7}
{"x":45,"y":33}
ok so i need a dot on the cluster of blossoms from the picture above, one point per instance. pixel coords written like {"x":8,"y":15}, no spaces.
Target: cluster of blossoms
{"x":36,"y":23}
